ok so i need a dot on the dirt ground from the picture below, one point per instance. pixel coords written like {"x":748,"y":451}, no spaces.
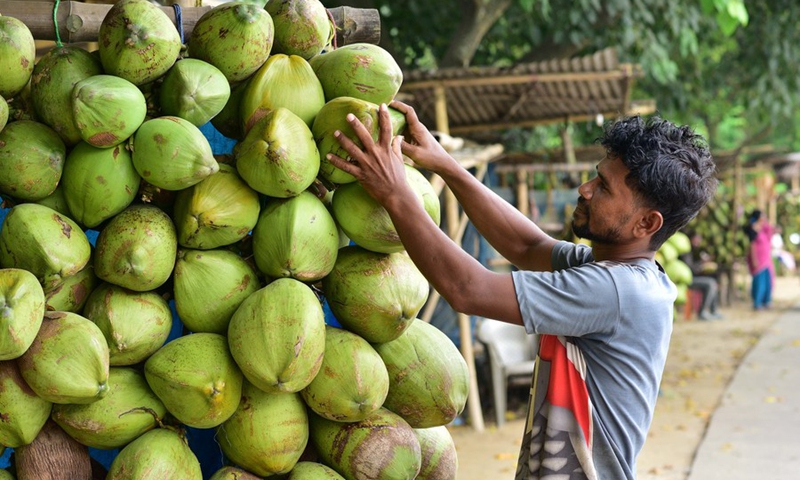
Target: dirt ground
{"x":703,"y":357}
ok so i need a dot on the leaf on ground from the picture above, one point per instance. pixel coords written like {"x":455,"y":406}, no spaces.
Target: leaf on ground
{"x":727,"y":447}
{"x":505,"y":456}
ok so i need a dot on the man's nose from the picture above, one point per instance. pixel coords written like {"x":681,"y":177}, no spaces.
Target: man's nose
{"x":585,"y":189}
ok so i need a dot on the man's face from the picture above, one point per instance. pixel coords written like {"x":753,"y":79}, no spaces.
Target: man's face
{"x":606,"y":205}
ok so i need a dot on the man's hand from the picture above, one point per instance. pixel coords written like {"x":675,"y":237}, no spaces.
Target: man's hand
{"x":420,"y":145}
{"x":378,"y":166}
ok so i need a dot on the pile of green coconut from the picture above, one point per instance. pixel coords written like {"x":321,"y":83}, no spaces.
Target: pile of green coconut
{"x":248,"y":247}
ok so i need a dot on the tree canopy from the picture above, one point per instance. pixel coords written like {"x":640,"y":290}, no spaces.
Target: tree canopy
{"x":722,"y":65}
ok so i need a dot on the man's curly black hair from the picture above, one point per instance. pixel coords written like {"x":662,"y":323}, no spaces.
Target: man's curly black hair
{"x":671,"y":168}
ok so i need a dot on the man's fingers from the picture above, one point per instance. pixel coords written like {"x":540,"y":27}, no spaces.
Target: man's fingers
{"x":353,"y":150}
{"x":397,"y":146}
{"x":409,"y":149}
{"x":384,"y":125}
{"x":360,"y":130}
{"x":403,"y":108}
{"x":343,"y":164}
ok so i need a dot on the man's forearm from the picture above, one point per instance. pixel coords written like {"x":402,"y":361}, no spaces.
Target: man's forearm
{"x":510,"y":232}
{"x":466,"y":285}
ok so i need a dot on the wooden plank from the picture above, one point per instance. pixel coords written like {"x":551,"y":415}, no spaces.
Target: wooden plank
{"x":544,"y":167}
{"x":80,"y":22}
{"x":517,"y":79}
{"x":482,"y":127}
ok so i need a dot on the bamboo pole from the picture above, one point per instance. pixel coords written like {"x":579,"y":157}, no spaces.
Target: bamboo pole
{"x":80,"y":22}
{"x":464,"y":326}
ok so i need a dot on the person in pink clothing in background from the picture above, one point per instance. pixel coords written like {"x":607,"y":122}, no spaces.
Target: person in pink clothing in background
{"x":759,"y":259}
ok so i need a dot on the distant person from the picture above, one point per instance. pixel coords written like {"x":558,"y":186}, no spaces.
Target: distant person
{"x":704,"y":279}
{"x":603,"y":313}
{"x":759,"y":259}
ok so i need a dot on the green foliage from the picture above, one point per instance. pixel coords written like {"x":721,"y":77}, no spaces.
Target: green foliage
{"x":727,"y":67}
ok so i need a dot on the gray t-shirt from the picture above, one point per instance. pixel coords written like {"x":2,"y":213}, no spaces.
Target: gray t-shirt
{"x":604,"y":333}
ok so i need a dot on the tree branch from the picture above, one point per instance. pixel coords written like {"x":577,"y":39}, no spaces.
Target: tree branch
{"x":479,"y":16}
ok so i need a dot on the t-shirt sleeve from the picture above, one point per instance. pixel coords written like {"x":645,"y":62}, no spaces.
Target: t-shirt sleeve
{"x":579,"y":298}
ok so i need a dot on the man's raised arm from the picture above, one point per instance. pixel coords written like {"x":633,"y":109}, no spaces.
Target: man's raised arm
{"x":510,"y":232}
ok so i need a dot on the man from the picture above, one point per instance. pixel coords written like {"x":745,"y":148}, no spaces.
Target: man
{"x":604,"y":314}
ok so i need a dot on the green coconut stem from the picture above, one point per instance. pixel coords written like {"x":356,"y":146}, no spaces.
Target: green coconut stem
{"x":55,"y":23}
{"x":332,"y":35}
{"x":149,"y":410}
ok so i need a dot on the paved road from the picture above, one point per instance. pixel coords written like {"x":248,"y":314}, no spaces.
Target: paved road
{"x":755,"y":432}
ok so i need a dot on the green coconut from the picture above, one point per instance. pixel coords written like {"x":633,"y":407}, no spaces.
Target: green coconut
{"x":6,"y":475}
{"x":353,"y":381}
{"x":194,"y":90}
{"x":235,"y":37}
{"x":21,"y":316}
{"x":134,"y":324}
{"x":196,"y":378}
{"x":69,"y":294}
{"x":52,"y":83}
{"x":228,"y":121}
{"x":44,"y":242}
{"x":668,"y":252}
{"x":679,"y":272}
{"x":327,"y":199}
{"x":98,"y":182}
{"x":128,"y":410}
{"x":209,"y":286}
{"x":428,"y":376}
{"x":137,"y":41}
{"x":136,"y":249}
{"x":157,"y":454}
{"x":17,"y":56}
{"x":313,"y":471}
{"x":68,"y":360}
{"x":286,"y":81}
{"x":173,"y":154}
{"x":24,"y":412}
{"x":302,"y":27}
{"x":333,"y":117}
{"x":381,"y":446}
{"x":57,"y":201}
{"x":277,"y":336}
{"x":267,"y":434}
{"x":368,"y":224}
{"x":278,"y":157}
{"x":3,"y":113}
{"x":681,"y":242}
{"x":233,"y":473}
{"x":218,"y":211}
{"x":107,"y":109}
{"x":20,"y":106}
{"x":375,"y":295}
{"x":439,"y":456}
{"x":31,"y":160}
{"x":360,"y":70}
{"x":297,"y":238}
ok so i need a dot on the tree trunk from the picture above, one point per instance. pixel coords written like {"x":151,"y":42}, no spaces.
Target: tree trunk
{"x":479,"y":16}
{"x":53,"y":455}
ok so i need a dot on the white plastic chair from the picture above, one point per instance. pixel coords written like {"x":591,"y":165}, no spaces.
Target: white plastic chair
{"x":511,"y":354}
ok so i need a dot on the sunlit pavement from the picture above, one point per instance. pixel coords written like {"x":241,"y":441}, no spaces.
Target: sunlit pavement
{"x":755,"y":431}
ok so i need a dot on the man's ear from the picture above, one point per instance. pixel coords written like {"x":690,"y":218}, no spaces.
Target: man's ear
{"x":649,"y":223}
